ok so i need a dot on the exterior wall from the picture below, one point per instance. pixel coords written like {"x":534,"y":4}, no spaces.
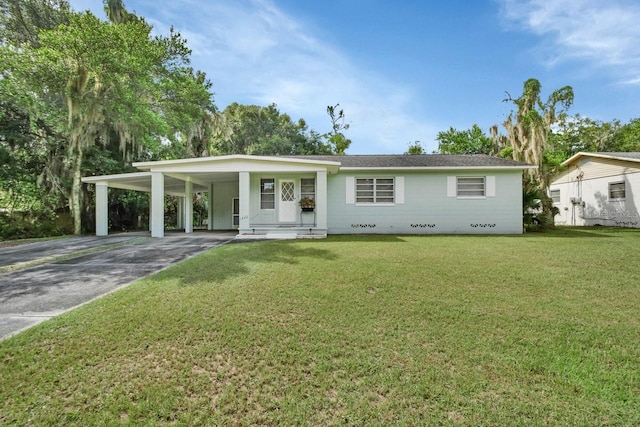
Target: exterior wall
{"x":587,"y":183}
{"x":269,"y":217}
{"x":427,"y":207}
{"x":223,"y":194}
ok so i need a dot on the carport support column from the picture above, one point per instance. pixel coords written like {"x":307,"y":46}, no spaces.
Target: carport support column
{"x":321,"y":200}
{"x":188,"y":205}
{"x":210,"y":208}
{"x":244,"y":188}
{"x":180,"y":213}
{"x":156,"y":216}
{"x":102,"y":209}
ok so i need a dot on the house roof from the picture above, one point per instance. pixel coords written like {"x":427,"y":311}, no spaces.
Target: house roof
{"x":421,"y":161}
{"x":629,"y":156}
{"x":202,"y":171}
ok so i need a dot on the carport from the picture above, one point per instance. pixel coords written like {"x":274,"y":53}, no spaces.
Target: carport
{"x":158,"y":185}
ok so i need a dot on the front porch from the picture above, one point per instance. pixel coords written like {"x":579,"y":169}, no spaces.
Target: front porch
{"x":259,"y":197}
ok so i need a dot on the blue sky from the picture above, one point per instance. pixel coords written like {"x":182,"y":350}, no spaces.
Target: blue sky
{"x":405,"y":70}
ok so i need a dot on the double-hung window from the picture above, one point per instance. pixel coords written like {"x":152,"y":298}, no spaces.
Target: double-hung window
{"x":267,"y":193}
{"x":616,"y":191}
{"x":467,"y":186}
{"x":375,"y":190}
{"x":555,"y":196}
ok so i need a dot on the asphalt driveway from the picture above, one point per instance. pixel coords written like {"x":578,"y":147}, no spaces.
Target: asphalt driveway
{"x":62,"y":280}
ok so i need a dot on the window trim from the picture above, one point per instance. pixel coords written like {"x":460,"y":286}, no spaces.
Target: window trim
{"x":263,"y":193}
{"x":624,"y":190}
{"x":309,"y":194}
{"x":557,"y":196}
{"x":375,"y":190}
{"x":484,"y":187}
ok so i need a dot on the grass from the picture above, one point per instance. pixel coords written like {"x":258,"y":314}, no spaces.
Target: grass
{"x":541,"y":329}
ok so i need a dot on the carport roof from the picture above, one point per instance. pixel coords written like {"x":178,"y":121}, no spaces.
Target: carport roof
{"x":141,"y":181}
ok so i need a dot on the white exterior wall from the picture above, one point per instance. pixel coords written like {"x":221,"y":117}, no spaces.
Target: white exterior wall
{"x":428,"y":207}
{"x":593,"y":205}
{"x":222,"y":198}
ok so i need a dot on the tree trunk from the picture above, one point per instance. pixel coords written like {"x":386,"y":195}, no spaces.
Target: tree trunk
{"x":75,"y":200}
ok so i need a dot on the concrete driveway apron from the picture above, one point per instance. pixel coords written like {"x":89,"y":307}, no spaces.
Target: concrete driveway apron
{"x":31,"y":295}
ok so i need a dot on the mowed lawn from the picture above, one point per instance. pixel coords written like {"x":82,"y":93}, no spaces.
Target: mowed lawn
{"x":541,"y":329}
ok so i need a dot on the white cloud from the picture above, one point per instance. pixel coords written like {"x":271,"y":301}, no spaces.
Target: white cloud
{"x":253,"y":52}
{"x":604,"y":33}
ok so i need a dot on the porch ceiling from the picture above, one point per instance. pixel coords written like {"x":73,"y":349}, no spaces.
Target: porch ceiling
{"x":173,"y":183}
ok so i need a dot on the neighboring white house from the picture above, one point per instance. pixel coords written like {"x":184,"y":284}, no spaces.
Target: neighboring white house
{"x":598,"y":189}
{"x":381,"y":194}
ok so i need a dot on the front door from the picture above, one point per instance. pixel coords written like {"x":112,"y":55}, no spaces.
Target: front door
{"x":287,"y":209}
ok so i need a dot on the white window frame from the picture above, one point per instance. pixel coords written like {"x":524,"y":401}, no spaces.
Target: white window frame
{"x":308,"y":188}
{"x":555,"y":196}
{"x":375,"y":191}
{"x":612,"y":191}
{"x":471,"y":196}
{"x":264,"y":193}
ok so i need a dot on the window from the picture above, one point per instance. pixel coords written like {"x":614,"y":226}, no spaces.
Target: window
{"x":374,"y":190}
{"x":555,"y":196}
{"x":616,"y":190}
{"x":470,"y":186}
{"x":267,"y":193}
{"x":308,"y":188}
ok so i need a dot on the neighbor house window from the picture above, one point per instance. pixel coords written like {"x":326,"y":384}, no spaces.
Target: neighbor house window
{"x":267,"y":193}
{"x":555,"y":196}
{"x":470,"y":186}
{"x":375,"y":190}
{"x":616,"y":190}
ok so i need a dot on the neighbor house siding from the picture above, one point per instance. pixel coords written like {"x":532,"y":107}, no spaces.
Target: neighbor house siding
{"x":591,"y":203}
{"x":428,"y":207}
{"x":594,"y":167}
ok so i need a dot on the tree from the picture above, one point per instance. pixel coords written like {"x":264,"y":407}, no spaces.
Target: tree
{"x":576,"y":133}
{"x":471,"y":141}
{"x":336,"y":138}
{"x":415,"y":148}
{"x":22,"y":20}
{"x":251,"y":129}
{"x":529,"y":126}
{"x":114,"y":81}
{"x":626,"y":138}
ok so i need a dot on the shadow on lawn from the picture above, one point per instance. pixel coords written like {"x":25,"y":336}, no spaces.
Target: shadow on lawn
{"x":244,"y":257}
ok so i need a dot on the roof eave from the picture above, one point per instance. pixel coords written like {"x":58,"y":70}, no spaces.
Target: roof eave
{"x":219,"y":159}
{"x":437,"y":168}
{"x":577,"y":156}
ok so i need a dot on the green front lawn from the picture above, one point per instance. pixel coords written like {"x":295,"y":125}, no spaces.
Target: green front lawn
{"x":541,"y":329}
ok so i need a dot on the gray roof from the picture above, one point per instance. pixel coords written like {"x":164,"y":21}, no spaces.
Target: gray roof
{"x":420,"y":160}
{"x":622,"y":155}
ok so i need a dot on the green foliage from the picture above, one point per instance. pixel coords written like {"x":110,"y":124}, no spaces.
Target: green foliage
{"x":87,"y":82}
{"x":415,"y":149}
{"x":252,"y":129}
{"x":470,"y":141}
{"x":626,"y":138}
{"x":529,"y":126}
{"x":22,"y":20}
{"x":538,"y":211}
{"x":338,"y":142}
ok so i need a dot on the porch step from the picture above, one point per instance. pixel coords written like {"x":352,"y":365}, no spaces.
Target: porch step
{"x":280,"y":236}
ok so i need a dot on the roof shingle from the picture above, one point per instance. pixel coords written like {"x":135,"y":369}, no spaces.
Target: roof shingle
{"x":421,"y":160}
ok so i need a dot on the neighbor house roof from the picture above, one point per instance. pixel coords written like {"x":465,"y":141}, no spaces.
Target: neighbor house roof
{"x":630,"y":156}
{"x":420,"y":161}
